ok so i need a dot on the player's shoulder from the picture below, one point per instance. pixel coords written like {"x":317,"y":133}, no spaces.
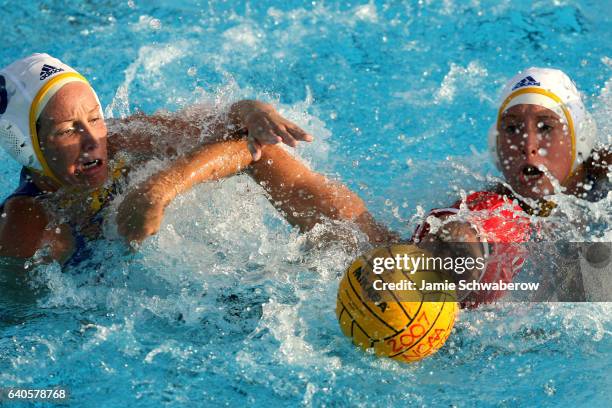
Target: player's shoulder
{"x":22,"y":206}
{"x":22,"y":225}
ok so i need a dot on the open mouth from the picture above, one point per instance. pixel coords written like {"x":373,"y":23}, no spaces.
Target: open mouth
{"x":531,"y":173}
{"x":89,"y":167}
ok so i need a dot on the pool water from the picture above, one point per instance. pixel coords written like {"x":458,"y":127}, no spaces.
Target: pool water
{"x":228,"y":305}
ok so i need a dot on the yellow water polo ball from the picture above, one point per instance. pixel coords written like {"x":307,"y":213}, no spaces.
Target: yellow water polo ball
{"x":385,"y":312}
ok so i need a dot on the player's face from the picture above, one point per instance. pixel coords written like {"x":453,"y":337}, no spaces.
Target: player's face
{"x":73,"y":137}
{"x":535,"y":149}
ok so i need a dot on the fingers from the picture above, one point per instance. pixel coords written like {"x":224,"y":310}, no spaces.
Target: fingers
{"x":272,"y":128}
{"x":136,"y":236}
{"x":138,"y":217}
{"x":125,"y":222}
{"x":282,"y":132}
{"x":131,"y":229}
{"x":264,"y":133}
{"x":297,"y":132}
{"x":290,"y":132}
{"x":122,"y":223}
{"x":254,"y":148}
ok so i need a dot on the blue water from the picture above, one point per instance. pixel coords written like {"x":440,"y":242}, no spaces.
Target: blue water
{"x":225,"y":306}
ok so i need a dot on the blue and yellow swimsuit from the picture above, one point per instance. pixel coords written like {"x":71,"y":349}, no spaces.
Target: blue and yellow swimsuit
{"x":99,"y":199}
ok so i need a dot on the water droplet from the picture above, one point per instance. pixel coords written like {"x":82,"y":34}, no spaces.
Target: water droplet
{"x":155,"y":24}
{"x":549,"y":388}
{"x":192,"y":71}
{"x":542,"y":152}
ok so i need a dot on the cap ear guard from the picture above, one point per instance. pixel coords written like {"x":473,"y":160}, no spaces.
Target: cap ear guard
{"x":12,"y":138}
{"x":17,"y":145}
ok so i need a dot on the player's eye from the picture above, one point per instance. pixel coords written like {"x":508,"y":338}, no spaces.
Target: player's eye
{"x":65,"y":132}
{"x":511,"y":129}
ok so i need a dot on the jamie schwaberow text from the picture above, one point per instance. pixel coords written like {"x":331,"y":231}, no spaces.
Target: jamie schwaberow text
{"x":406,"y":285}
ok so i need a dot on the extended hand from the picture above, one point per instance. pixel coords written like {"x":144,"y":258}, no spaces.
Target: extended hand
{"x":266,"y":126}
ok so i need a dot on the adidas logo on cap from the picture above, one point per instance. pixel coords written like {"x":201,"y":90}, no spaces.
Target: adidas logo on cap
{"x":48,"y":70}
{"x":527,"y":81}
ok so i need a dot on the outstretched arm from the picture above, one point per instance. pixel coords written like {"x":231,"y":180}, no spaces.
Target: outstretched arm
{"x":302,"y":195}
{"x":141,"y":212}
{"x":306,"y":197}
{"x":170,"y":134}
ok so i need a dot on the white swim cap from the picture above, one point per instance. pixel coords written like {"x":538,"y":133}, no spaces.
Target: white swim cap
{"x":554,"y":90}
{"x":26,"y":86}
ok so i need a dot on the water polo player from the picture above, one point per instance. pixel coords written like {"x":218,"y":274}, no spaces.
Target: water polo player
{"x":543,"y":142}
{"x":51,"y":122}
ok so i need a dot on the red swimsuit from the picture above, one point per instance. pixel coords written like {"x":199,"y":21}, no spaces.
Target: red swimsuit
{"x":500,"y":223}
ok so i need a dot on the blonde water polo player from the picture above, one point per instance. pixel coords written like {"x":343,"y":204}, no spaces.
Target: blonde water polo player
{"x":51,"y":122}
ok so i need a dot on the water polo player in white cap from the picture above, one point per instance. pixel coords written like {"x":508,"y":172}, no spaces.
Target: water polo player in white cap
{"x":544,"y":143}
{"x":51,"y":122}
{"x":543,"y":140}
